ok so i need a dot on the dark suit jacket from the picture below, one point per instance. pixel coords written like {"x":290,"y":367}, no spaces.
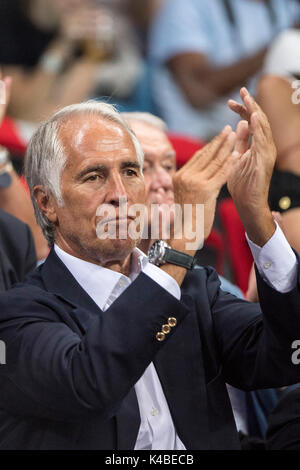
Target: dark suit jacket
{"x":71,"y":368}
{"x":283,"y":431}
{"x":17,"y":253}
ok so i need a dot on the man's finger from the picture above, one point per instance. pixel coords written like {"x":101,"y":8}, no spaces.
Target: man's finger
{"x":253,"y":107}
{"x":203,"y":156}
{"x":258,"y":132}
{"x":224,"y":153}
{"x":239,"y":109}
{"x":243,"y":135}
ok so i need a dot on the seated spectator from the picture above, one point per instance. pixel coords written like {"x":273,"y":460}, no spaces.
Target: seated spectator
{"x":203,"y":51}
{"x":96,"y":359}
{"x":59,"y":53}
{"x":159,"y":168}
{"x":17,"y":253}
{"x":13,"y":197}
{"x":252,"y":408}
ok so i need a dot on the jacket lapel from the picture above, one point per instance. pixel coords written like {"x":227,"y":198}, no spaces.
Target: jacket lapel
{"x":60,"y":281}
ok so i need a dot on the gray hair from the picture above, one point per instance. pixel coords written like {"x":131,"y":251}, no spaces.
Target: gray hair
{"x":147,"y":118}
{"x":45,"y":156}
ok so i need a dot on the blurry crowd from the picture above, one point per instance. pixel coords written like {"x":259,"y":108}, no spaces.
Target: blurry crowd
{"x":171,"y":66}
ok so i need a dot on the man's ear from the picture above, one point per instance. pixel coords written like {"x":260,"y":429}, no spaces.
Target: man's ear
{"x":45,"y":202}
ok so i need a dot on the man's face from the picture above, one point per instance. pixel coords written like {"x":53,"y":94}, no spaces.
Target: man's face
{"x":159,"y":164}
{"x":102,"y":168}
{"x":159,"y":168}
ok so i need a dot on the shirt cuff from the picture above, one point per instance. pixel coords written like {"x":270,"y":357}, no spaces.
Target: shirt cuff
{"x":163,"y":279}
{"x":276,"y":262}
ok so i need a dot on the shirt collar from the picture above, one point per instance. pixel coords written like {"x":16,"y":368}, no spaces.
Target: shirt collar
{"x":97,"y":281}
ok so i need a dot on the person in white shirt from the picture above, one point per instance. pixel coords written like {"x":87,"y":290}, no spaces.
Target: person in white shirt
{"x":202,"y":52}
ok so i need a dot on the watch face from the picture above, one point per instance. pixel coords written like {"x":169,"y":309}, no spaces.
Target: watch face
{"x":156,"y":252}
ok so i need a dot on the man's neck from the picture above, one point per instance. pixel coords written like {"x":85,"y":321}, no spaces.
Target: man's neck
{"x":122,"y":266}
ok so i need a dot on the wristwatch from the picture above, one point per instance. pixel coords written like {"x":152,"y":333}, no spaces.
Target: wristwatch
{"x":5,"y":169}
{"x":161,"y":253}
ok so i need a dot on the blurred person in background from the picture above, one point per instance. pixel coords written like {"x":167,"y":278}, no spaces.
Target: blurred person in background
{"x":61,"y":52}
{"x":203,"y":51}
{"x":14,"y":199}
{"x":144,"y":12}
{"x":17,"y":252}
{"x":159,"y":169}
{"x":250,"y":409}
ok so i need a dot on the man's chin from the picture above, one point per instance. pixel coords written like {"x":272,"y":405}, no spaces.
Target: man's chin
{"x":118,"y":248}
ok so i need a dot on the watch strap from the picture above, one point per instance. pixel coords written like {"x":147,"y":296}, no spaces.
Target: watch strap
{"x":179,"y":258}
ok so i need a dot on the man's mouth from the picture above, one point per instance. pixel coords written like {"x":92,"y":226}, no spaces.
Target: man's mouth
{"x":159,"y":199}
{"x":115,"y":220}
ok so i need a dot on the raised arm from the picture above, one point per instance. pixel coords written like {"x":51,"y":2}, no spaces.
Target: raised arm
{"x":202,"y":82}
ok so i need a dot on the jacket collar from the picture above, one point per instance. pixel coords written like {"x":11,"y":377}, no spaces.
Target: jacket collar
{"x":183,"y":351}
{"x":59,"y":281}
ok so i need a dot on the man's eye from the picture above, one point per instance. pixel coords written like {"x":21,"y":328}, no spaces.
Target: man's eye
{"x":93,"y":178}
{"x":169,"y":167}
{"x":130,"y":172}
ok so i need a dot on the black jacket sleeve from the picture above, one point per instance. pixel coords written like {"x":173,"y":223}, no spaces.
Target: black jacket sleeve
{"x":255,"y":341}
{"x":56,"y":372}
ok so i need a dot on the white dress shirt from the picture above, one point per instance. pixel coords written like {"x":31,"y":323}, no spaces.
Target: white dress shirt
{"x":104,"y":286}
{"x":276,"y":263}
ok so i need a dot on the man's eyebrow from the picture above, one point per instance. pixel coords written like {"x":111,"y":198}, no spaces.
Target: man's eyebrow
{"x":130,"y":164}
{"x":170,"y":154}
{"x":91,"y":169}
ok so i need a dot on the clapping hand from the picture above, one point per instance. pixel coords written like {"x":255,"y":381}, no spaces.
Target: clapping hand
{"x":199,"y":181}
{"x":250,"y":176}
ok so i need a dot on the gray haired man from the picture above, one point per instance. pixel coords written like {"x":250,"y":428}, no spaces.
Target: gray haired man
{"x":108,"y":351}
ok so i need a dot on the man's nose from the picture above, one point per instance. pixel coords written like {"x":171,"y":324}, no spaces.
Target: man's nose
{"x":161,"y":179}
{"x":116,"y":191}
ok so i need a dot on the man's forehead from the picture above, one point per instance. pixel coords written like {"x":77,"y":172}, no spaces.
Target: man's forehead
{"x":152,"y":138}
{"x":91,"y":132}
{"x":145,"y":129}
